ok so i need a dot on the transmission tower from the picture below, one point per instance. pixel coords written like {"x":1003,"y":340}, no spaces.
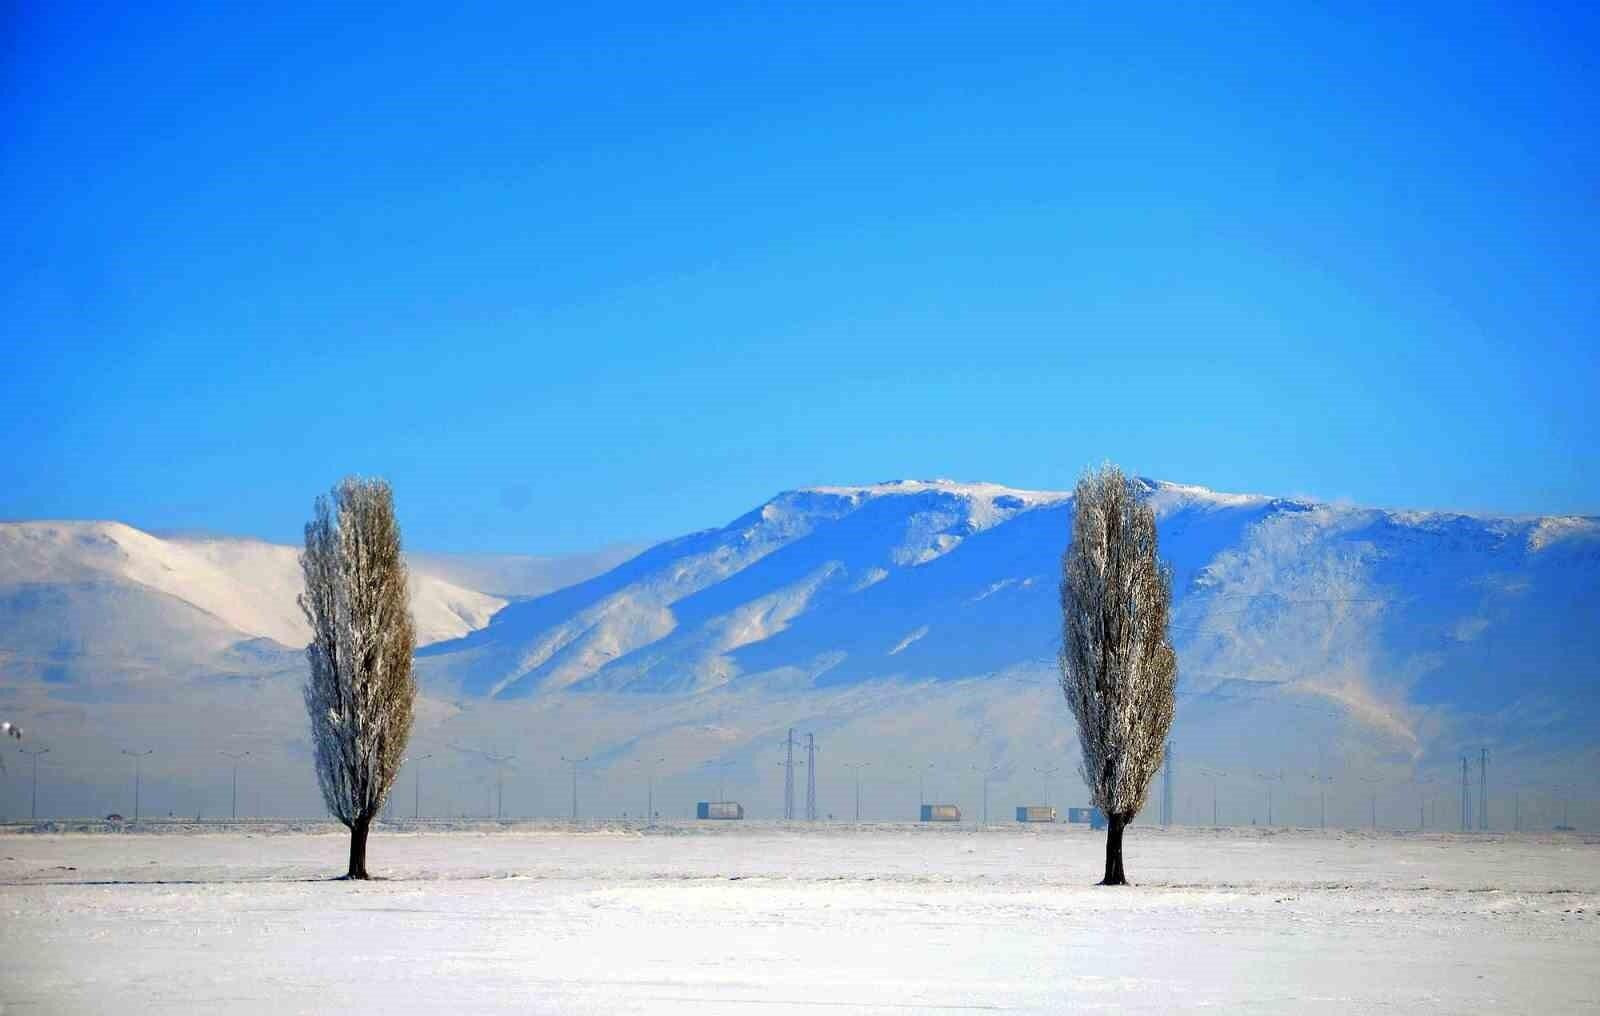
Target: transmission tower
{"x":811,"y":777}
{"x":1483,"y":789}
{"x":1466,"y":798}
{"x":788,"y":776}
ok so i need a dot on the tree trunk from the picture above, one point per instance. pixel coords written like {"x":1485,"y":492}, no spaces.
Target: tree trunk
{"x":358,"y":847}
{"x":1114,"y":874}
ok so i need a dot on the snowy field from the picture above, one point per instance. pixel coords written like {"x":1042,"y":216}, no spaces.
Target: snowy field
{"x":761,"y":918}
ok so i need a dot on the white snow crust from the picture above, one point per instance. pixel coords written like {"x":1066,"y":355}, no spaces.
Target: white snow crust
{"x":788,"y":919}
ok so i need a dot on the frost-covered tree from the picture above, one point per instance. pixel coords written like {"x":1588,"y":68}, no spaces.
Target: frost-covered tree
{"x":361,"y":690}
{"x":1118,"y":670}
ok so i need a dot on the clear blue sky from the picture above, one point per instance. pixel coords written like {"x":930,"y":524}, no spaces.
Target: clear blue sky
{"x":607,"y":272}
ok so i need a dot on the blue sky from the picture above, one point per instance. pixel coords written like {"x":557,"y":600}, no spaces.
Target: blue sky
{"x":609,"y":272}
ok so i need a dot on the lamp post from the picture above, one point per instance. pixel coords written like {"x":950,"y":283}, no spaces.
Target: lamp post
{"x":235,"y":756}
{"x":1372,"y":782}
{"x":1322,"y":782}
{"x":1045,"y":772}
{"x":1213,"y":773}
{"x":33,"y":815}
{"x":722,"y":777}
{"x":987,"y":774}
{"x":574,"y":763}
{"x":922,"y":772}
{"x":1268,"y":779}
{"x":416,"y":786}
{"x":856,"y":767}
{"x":1422,"y":800}
{"x":649,"y":766}
{"x":138,"y":756}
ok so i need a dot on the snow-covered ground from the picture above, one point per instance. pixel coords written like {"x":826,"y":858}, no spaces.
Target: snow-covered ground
{"x":767,"y":918}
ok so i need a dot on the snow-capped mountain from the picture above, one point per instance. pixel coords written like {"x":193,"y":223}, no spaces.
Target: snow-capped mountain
{"x":1372,"y":611}
{"x":886,"y":617}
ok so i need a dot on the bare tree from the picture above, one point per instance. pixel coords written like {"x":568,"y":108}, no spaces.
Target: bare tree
{"x":1118,"y":670}
{"x":361,"y":690}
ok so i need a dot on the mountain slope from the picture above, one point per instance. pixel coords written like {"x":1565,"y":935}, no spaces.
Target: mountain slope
{"x":1372,"y":613}
{"x":247,"y":585}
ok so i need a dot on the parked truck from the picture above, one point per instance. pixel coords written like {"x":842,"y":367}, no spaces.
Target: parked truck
{"x":719,"y":810}
{"x":941,"y":813}
{"x":1036,"y":813}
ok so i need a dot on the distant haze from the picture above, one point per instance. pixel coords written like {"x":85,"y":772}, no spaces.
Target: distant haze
{"x":909,"y":625}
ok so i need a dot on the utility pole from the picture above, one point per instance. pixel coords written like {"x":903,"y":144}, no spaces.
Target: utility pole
{"x":722,"y":769}
{"x":138,"y":756}
{"x":236,"y":756}
{"x":416,"y":786}
{"x":788,"y":776}
{"x":649,"y":766}
{"x":810,"y":778}
{"x":33,"y":815}
{"x":574,"y":763}
{"x":856,"y":767}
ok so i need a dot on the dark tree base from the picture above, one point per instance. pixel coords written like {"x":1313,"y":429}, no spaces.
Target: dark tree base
{"x":358,"y":849}
{"x":1115,"y":824}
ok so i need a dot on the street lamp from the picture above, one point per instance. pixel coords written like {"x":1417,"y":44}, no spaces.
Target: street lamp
{"x":1268,"y":778}
{"x":1372,"y":782}
{"x":1322,"y":782}
{"x":922,"y":772}
{"x":1045,"y":772}
{"x":987,"y":774}
{"x":649,"y":766}
{"x":574,"y":763}
{"x":1213,"y":773}
{"x":236,"y":756}
{"x":856,"y":767}
{"x":498,"y":761}
{"x":35,"y":752}
{"x":416,"y":785}
{"x":138,"y":756}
